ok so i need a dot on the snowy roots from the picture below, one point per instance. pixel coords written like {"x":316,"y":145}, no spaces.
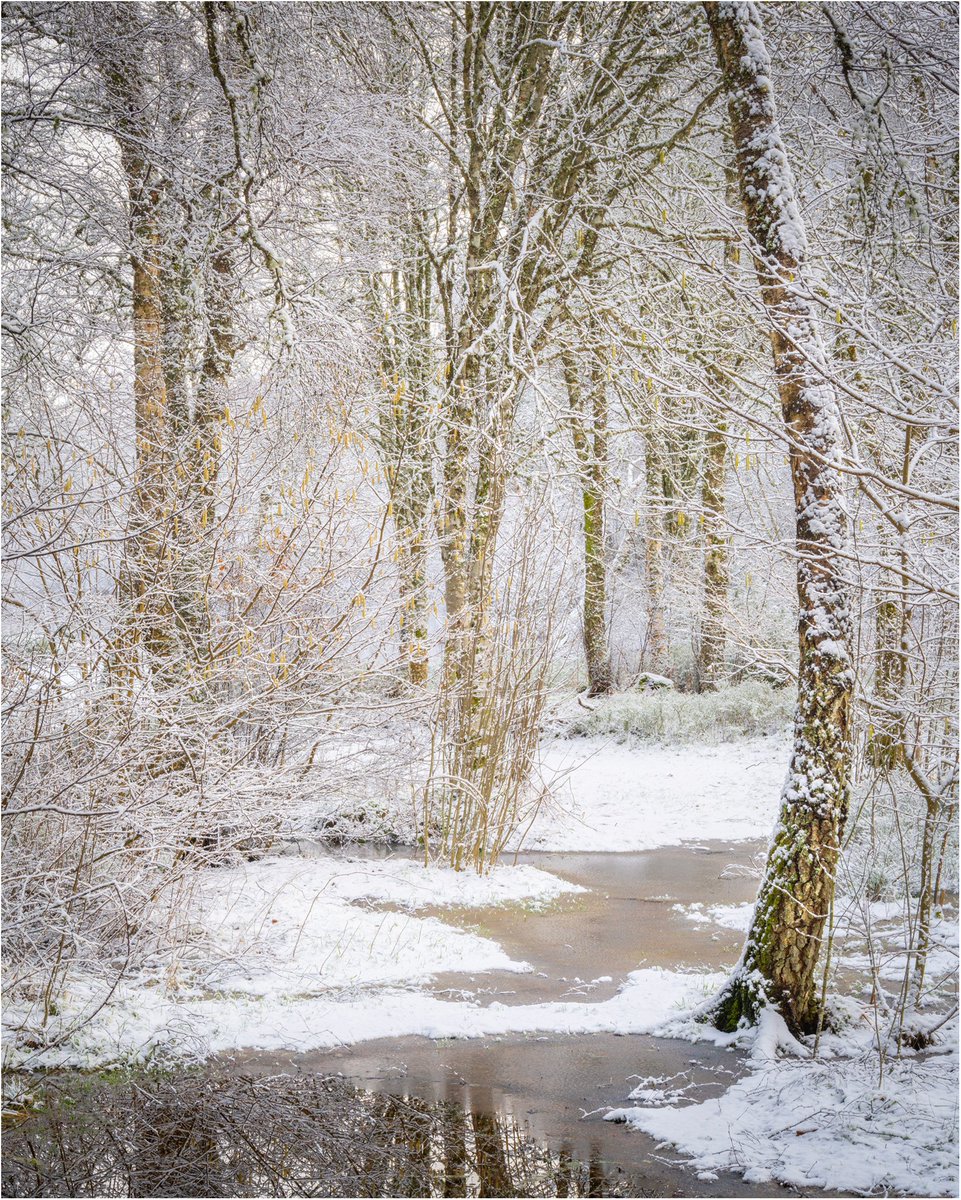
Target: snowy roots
{"x":744,"y":1003}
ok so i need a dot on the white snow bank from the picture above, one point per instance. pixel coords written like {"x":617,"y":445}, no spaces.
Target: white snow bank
{"x":286,"y":925}
{"x":140,"y":1021}
{"x":620,"y":797}
{"x":728,"y":916}
{"x":401,"y":881}
{"x":825,"y":1124}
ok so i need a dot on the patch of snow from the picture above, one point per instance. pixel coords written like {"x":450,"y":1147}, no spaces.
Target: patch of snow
{"x":649,"y":682}
{"x":287,"y":926}
{"x":729,"y":916}
{"x":656,"y":1096}
{"x":402,"y":881}
{"x":610,"y":797}
{"x":141,"y":1021}
{"x":824,"y":1124}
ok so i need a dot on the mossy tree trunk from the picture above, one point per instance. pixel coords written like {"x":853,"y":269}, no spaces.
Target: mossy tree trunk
{"x":781,"y":953}
{"x":655,"y":641}
{"x":588,"y":420}
{"x":713,"y":640}
{"x":146,"y":643}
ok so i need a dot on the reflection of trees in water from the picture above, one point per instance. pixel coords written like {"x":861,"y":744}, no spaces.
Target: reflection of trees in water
{"x":290,"y":1135}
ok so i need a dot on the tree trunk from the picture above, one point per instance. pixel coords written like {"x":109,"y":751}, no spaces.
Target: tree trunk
{"x":413,"y":597}
{"x":201,"y":457}
{"x":406,"y":446}
{"x":713,"y":640}
{"x":781,"y":953}
{"x":655,"y":641}
{"x":145,"y":579}
{"x":892,"y":623}
{"x":589,"y":433}
{"x":886,"y":743}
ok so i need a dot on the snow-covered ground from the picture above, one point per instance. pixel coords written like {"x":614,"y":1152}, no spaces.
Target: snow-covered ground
{"x":293,"y":955}
{"x":611,"y":796}
{"x":842,"y":1122}
{"x":140,"y":1022}
{"x":282,"y":940}
{"x":286,"y":926}
{"x":300,"y":953}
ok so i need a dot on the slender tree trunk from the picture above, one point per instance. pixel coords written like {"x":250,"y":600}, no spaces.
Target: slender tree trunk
{"x":201,"y":457}
{"x":413,"y":595}
{"x":220,"y":348}
{"x":940,"y":805}
{"x":589,"y":433}
{"x":886,"y":744}
{"x":781,"y":953}
{"x":417,"y":493}
{"x":406,"y":447}
{"x":178,"y":319}
{"x":655,"y":641}
{"x":145,"y":581}
{"x":892,"y":623}
{"x":713,"y":640}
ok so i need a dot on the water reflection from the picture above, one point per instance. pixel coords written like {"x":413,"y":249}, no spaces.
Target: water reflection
{"x":286,"y":1135}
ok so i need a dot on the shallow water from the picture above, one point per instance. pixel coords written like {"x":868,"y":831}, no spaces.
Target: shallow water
{"x":222,"y":1133}
{"x":555,"y":1087}
{"x":517,"y":1115}
{"x":626,"y":921}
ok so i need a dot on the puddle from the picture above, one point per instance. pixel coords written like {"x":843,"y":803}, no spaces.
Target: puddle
{"x":626,"y":921}
{"x":585,"y":944}
{"x":230,"y":1135}
{"x":517,"y":1115}
{"x":433,"y":1120}
{"x":554,"y":1089}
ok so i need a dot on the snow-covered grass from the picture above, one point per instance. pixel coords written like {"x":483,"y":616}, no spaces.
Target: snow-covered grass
{"x":286,"y":930}
{"x":139,"y":1022}
{"x":827,"y":1124}
{"x":749,"y":709}
{"x":628,"y":797}
{"x":380,"y":782}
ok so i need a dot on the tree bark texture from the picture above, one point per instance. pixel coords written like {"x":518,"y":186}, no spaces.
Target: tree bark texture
{"x":655,"y":641}
{"x":713,"y":640}
{"x":144,"y":583}
{"x":588,"y":417}
{"x":783,"y":945}
{"x":405,"y":445}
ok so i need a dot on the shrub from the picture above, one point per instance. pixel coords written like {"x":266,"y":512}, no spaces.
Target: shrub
{"x":748,"y":709}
